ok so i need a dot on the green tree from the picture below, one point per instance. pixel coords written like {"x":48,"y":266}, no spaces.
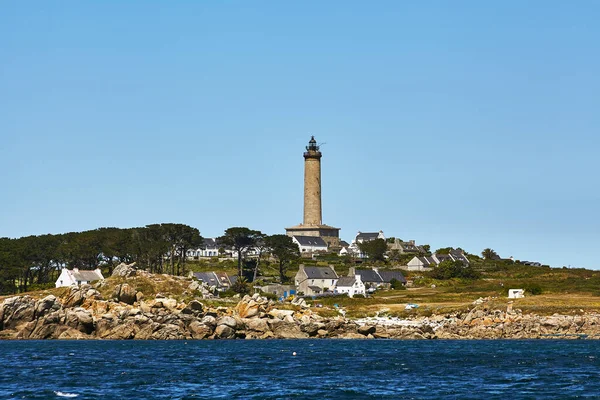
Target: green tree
{"x":453,"y":269}
{"x":240,"y":239}
{"x":489,"y":254}
{"x":284,"y":249}
{"x":374,"y":249}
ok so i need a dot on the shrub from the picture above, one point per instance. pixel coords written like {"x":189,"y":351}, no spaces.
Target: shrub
{"x":359,"y":296}
{"x":533,"y":289}
{"x":396,"y":284}
{"x":269,"y":296}
{"x":241,"y":286}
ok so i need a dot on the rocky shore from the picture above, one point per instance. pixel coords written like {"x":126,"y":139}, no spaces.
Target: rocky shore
{"x":83,"y":313}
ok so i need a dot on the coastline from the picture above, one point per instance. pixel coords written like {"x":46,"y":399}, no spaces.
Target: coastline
{"x":83,"y":314}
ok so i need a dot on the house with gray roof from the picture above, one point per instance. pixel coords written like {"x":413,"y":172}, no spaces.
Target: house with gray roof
{"x":216,"y":281}
{"x":310,"y":244}
{"x":403,"y":247}
{"x":362,"y":237}
{"x":78,"y":277}
{"x":375,"y":278}
{"x":421,"y":263}
{"x":350,"y":285}
{"x":315,"y":280}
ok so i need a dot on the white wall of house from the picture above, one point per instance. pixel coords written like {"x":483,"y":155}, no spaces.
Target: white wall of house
{"x":309,"y":249}
{"x":65,"y":279}
{"x":357,"y":288}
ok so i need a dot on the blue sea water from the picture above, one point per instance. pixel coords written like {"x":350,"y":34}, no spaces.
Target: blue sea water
{"x":322,"y":369}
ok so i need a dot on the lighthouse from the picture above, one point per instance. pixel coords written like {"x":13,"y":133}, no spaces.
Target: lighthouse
{"x":312,"y":224}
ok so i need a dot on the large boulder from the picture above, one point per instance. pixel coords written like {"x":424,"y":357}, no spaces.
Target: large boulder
{"x":16,"y":311}
{"x":199,"y":330}
{"x":125,"y":270}
{"x":224,"y":332}
{"x":46,"y":305}
{"x":80,"y":319}
{"x":78,"y":294}
{"x":227,"y":321}
{"x":125,"y":293}
{"x":367,"y":330}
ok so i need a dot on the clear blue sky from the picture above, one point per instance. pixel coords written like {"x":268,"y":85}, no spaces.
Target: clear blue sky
{"x":467,"y":123}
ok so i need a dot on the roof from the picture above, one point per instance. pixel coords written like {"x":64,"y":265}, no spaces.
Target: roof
{"x":310,"y":241}
{"x":315,"y":288}
{"x":219,"y":279}
{"x":368,"y":275}
{"x":85,"y":275}
{"x":346,"y":281}
{"x":426,"y":260}
{"x":343,"y":243}
{"x":387,"y":276}
{"x":210,"y":244}
{"x":320,"y":273}
{"x":366,"y":236}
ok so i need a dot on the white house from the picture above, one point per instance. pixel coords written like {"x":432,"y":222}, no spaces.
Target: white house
{"x":516,"y":293}
{"x":77,"y":277}
{"x":310,"y":244}
{"x":210,"y":248}
{"x":362,"y":237}
{"x":351,"y":285}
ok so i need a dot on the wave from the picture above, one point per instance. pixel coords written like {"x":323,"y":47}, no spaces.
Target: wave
{"x":63,"y":394}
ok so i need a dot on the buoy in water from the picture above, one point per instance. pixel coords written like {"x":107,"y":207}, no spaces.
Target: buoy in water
{"x":294,"y":353}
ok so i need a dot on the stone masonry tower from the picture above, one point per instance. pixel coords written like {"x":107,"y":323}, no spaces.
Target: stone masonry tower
{"x":312,"y":184}
{"x":312,"y":224}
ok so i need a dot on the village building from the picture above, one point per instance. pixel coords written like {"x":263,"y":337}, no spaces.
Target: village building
{"x":362,"y":237}
{"x":422,"y":263}
{"x":281,"y":291}
{"x":78,"y":277}
{"x":210,"y":248}
{"x":350,"y":285}
{"x":374,"y":278}
{"x":310,"y":244}
{"x":402,"y":247}
{"x":218,"y":281}
{"x":312,"y":224}
{"x":313,"y":281}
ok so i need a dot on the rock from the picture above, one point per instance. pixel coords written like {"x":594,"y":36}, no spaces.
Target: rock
{"x":224,"y":332}
{"x":249,"y":309}
{"x":16,"y":311}
{"x":125,"y":270}
{"x":80,"y":319}
{"x":168,"y":332}
{"x":195,"y":306}
{"x":125,"y":293}
{"x":199,"y":330}
{"x":227,"y":321}
{"x":72,"y":334}
{"x":281,"y":314}
{"x":256,"y":325}
{"x":311,"y":328}
{"x":286,"y":330}
{"x":209,"y":320}
{"x":139,"y":296}
{"x":351,"y":335}
{"x":45,"y":305}
{"x":367,"y":330}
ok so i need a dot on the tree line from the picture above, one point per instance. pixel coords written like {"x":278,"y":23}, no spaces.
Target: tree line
{"x":37,"y":260}
{"x":30,"y":262}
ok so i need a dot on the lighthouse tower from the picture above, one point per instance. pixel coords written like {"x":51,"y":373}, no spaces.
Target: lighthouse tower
{"x":312,"y":184}
{"x":312,"y":225}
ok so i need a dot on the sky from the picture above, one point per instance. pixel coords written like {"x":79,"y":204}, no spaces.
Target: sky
{"x":467,"y":124}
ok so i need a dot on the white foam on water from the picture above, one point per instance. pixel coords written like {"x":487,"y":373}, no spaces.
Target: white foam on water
{"x":63,"y":394}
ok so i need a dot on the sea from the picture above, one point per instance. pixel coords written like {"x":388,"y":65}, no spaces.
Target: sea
{"x":300,"y":369}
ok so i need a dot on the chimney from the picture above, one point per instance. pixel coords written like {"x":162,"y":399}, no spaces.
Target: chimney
{"x":351,"y":271}
{"x":75,"y":269}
